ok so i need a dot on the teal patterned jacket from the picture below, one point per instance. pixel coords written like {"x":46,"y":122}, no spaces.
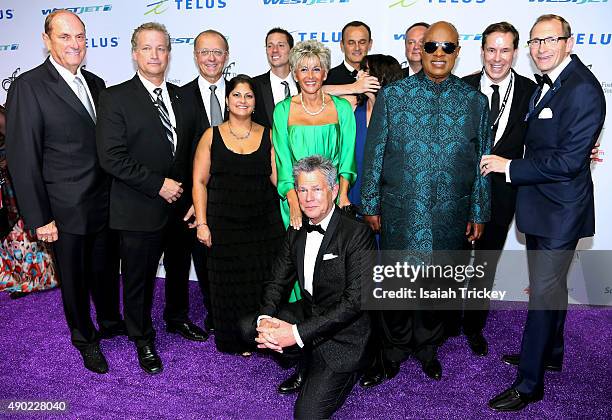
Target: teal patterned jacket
{"x":421,"y":163}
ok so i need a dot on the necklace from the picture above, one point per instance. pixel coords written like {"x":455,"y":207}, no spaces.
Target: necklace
{"x":237,"y":137}
{"x":317,"y":112}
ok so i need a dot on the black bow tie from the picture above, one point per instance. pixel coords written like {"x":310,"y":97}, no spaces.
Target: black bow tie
{"x":543,"y":79}
{"x":314,"y":228}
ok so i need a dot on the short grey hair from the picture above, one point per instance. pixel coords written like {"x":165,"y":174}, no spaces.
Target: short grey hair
{"x":310,"y":49}
{"x":316,"y":163}
{"x":150,"y":26}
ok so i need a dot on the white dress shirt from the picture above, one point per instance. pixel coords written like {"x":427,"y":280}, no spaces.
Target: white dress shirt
{"x":350,"y":68}
{"x":554,"y":75}
{"x":69,"y":78}
{"x":487,"y":90}
{"x":313,"y":243}
{"x":278,"y":89}
{"x":204,"y":86}
{"x":150,"y":87}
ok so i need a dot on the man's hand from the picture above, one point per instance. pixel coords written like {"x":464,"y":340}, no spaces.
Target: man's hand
{"x":47,"y":233}
{"x":474,"y":231}
{"x":275,"y":334}
{"x":595,"y":152}
{"x":190,"y":213}
{"x":373,"y":221}
{"x":492,"y":163}
{"x":171,"y":190}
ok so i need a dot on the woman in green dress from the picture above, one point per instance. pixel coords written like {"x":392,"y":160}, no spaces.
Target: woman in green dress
{"x":312,"y":123}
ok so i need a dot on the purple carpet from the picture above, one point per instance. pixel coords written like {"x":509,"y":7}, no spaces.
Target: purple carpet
{"x":37,"y":362}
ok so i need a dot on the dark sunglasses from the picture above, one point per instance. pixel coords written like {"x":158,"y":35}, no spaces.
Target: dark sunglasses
{"x":431,"y":47}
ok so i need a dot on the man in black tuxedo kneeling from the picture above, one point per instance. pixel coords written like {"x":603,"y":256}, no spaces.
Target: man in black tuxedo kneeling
{"x":326,"y":332}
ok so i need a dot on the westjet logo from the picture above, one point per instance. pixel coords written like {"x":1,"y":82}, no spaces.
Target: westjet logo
{"x":79,"y":9}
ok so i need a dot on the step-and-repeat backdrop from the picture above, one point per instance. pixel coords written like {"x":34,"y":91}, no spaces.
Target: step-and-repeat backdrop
{"x":110,"y":24}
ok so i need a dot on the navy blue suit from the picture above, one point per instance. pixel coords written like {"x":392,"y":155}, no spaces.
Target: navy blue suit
{"x":555,"y":208}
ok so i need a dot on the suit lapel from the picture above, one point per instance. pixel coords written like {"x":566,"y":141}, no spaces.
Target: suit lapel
{"x":58,"y":85}
{"x":199,"y":103}
{"x":329,"y":234}
{"x":268,"y":97}
{"x":514,"y":114}
{"x":92,"y":85}
{"x":301,"y":250}
{"x":150,"y":112}
{"x":556,"y":86}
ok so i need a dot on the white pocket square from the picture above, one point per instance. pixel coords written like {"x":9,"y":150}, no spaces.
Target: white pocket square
{"x":545,"y":114}
{"x":329,"y":257}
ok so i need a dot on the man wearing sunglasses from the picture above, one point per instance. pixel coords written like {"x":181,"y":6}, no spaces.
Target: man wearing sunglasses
{"x":422,"y":188}
{"x":555,"y":204}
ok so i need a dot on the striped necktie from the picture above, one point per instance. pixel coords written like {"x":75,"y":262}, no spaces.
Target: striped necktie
{"x":164,"y":116}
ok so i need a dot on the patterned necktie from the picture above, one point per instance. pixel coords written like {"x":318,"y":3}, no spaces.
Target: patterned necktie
{"x":82,"y":94}
{"x":216,"y":117}
{"x":287,"y":91}
{"x":164,"y":116}
{"x":494,"y":112}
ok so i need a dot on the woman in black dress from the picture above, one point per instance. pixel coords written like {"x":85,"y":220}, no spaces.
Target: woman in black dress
{"x":237,"y":212}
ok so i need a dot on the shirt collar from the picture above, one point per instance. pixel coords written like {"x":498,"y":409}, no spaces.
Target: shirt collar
{"x":150,"y":86}
{"x":486,"y":82}
{"x":206,"y":84}
{"x":64,"y":72}
{"x":348,"y":66}
{"x":275,"y":78}
{"x":554,"y":73}
{"x":325,"y":222}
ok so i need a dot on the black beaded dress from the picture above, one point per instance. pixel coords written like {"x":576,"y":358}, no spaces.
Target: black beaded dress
{"x":246,"y":230}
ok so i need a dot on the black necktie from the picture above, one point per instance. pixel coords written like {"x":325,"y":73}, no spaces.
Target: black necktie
{"x":494,"y":111}
{"x":287,"y":91}
{"x":542,"y":80}
{"x":314,"y":228}
{"x":354,"y":73}
{"x":164,"y":116}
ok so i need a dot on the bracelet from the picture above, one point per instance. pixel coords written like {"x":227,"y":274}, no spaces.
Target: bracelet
{"x":200,"y":224}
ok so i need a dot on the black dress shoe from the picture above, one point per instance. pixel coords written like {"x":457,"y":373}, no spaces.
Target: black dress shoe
{"x":514,"y":360}
{"x":94,"y":359}
{"x":391,"y":369}
{"x":433,"y":369}
{"x":187,"y":330}
{"x":115,"y":331}
{"x":513,"y":400}
{"x":209,"y":326}
{"x":294,"y":382}
{"x":149,"y":360}
{"x":478,"y":344}
{"x":374,"y":375}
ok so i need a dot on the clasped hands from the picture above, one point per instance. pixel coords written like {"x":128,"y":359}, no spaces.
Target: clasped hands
{"x":274,"y":334}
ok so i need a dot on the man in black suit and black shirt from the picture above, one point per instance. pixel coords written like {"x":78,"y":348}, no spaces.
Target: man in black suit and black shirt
{"x":508,"y":94}
{"x":326,"y":330}
{"x":61,"y":189}
{"x":277,"y":83}
{"x":142,"y":144}
{"x":204,"y":99}
{"x":356,"y":43}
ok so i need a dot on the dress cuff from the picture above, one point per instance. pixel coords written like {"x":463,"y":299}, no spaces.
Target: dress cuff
{"x":507,"y":171}
{"x":260,"y":317}
{"x":297,"y":337}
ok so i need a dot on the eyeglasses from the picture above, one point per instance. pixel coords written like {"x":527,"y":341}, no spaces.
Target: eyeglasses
{"x":217,"y":53}
{"x":448,"y":47}
{"x":551,"y":40}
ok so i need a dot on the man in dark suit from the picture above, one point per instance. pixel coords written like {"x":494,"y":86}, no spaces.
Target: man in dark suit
{"x":277,"y":83}
{"x":61,"y":189}
{"x":326,"y":330}
{"x":555,"y":204}
{"x":508,"y":94}
{"x":142,"y":144}
{"x":204,"y":99}
{"x":356,"y":43}
{"x":412,"y":46}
